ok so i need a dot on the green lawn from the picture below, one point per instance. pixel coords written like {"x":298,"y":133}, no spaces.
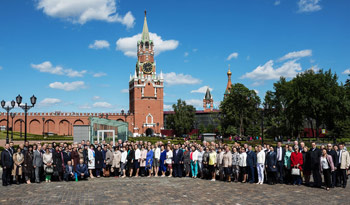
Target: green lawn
{"x":17,"y":137}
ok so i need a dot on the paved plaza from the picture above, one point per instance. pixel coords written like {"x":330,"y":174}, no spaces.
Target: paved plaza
{"x":166,"y":191}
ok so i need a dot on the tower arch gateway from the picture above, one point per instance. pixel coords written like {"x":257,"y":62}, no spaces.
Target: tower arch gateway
{"x":146,"y":89}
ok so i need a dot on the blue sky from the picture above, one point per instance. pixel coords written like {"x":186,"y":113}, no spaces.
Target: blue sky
{"x":78,"y":55}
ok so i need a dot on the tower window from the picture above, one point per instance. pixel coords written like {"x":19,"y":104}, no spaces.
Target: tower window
{"x":147,"y":45}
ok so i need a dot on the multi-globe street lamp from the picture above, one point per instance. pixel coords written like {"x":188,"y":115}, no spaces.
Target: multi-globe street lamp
{"x":7,"y":108}
{"x":25,"y":108}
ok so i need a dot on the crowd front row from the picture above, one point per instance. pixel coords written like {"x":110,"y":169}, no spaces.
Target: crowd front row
{"x":261,"y":164}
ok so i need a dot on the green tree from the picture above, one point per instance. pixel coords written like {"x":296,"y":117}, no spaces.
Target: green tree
{"x":239,"y":108}
{"x":182,"y":121}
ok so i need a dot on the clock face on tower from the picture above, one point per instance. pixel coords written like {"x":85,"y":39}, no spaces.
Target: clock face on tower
{"x":147,"y":68}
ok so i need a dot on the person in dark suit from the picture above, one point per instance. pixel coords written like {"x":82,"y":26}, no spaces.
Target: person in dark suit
{"x":7,"y":163}
{"x":315,"y":155}
{"x":251,"y":164}
{"x":335,"y":159}
{"x":69,"y":172}
{"x":177,"y":161}
{"x":99,"y":160}
{"x":280,"y":153}
{"x":81,"y":170}
{"x":271,"y":166}
{"x":57,"y":157}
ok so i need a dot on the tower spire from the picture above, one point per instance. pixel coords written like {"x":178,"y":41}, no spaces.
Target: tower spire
{"x":145,"y":34}
{"x":229,"y":83}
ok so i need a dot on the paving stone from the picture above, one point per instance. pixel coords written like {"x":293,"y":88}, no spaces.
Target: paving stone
{"x":165,"y":191}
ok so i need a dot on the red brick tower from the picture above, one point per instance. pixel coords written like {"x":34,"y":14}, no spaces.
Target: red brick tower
{"x":146,"y":89}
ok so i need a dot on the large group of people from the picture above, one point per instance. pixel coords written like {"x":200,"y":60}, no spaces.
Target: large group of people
{"x":289,"y":164}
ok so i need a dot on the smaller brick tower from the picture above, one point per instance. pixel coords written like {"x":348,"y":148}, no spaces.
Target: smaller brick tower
{"x":208,"y":102}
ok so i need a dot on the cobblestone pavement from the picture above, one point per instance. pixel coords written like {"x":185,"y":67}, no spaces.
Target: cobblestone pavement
{"x":166,"y":191}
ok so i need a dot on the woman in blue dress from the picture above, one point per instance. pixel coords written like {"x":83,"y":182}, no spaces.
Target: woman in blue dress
{"x":149,"y":161}
{"x":162,"y":160}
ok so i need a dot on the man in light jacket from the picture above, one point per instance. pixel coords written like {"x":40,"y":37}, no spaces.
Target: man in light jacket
{"x":344,"y":163}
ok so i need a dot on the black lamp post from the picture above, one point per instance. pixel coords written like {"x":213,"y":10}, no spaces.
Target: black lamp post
{"x":43,"y":126}
{"x":20,"y":127}
{"x":25,"y":107}
{"x":12,"y":116}
{"x":7,"y":108}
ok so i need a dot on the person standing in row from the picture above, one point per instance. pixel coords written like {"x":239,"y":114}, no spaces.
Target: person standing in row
{"x":315,"y":155}
{"x":326,"y":167}
{"x":260,"y":158}
{"x":91,"y":160}
{"x":28,"y":164}
{"x":344,"y":163}
{"x":149,"y":160}
{"x":47,"y":160}
{"x":333,"y":153}
{"x":296,"y":159}
{"x":177,"y":161}
{"x":243,"y":165}
{"x":235,"y":164}
{"x":37,"y":162}
{"x":18,"y":159}
{"x":251,"y":164}
{"x":227,"y":164}
{"x":162,"y":160}
{"x":212,"y":162}
{"x":156,"y":160}
{"x":271,"y":168}
{"x":116,"y":161}
{"x":169,"y":160}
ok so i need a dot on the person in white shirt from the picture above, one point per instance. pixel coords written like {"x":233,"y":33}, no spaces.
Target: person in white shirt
{"x":194,"y":163}
{"x":123,"y":161}
{"x":243,"y":165}
{"x":156,"y":159}
{"x":169,"y":160}
{"x":261,"y":164}
{"x":137,"y":160}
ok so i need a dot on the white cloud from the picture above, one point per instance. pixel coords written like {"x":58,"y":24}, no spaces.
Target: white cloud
{"x":128,"y":44}
{"x":195,"y":102}
{"x":296,"y":54}
{"x":232,"y":55}
{"x":0,"y":67}
{"x":309,"y":5}
{"x":180,"y":79}
{"x":256,"y":91}
{"x":49,"y":102}
{"x":99,"y":44}
{"x":94,"y":98}
{"x":186,"y":54}
{"x":267,"y":72}
{"x":277,"y":2}
{"x":47,"y":67}
{"x":82,"y":11}
{"x":202,"y":89}
{"x":99,"y":74}
{"x":85,"y":106}
{"x":195,"y":50}
{"x":346,"y":72}
{"x":68,"y":86}
{"x":102,"y":105}
{"x":125,"y":90}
